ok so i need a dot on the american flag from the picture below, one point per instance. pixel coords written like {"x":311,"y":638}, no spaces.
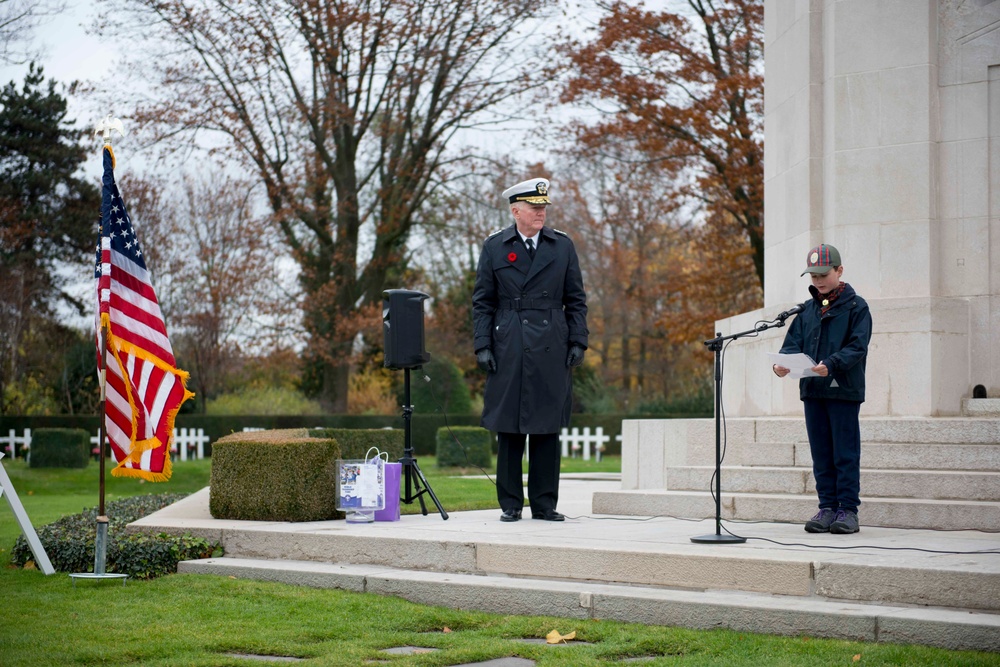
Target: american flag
{"x":144,"y":388}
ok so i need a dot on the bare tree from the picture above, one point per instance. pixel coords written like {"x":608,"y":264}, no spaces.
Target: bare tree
{"x":344,"y":111}
{"x":19,"y":19}
{"x":217,"y":263}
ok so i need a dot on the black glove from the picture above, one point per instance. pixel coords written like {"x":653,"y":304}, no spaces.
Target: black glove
{"x":575,"y":356}
{"x":486,"y":361}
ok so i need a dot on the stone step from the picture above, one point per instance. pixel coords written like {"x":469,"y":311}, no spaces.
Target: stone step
{"x":944,"y":430}
{"x":792,"y":508}
{"x":685,"y":565}
{"x":762,"y":430}
{"x":922,"y":586}
{"x":788,"y":615}
{"x":896,"y":456}
{"x":981,"y":407}
{"x":925,"y":484}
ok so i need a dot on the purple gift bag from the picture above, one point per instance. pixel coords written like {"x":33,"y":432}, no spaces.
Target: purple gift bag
{"x":393,"y":472}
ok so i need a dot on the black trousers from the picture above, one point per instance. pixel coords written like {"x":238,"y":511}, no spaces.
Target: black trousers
{"x":543,"y":471}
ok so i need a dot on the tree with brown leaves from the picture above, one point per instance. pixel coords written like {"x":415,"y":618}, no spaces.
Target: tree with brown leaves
{"x":634,"y":246}
{"x":687,"y":89}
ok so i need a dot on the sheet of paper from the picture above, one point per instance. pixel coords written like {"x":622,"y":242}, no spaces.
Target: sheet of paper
{"x":799,"y":364}
{"x":368,"y":482}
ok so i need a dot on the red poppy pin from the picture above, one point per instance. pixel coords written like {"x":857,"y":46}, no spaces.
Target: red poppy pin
{"x":512,"y":257}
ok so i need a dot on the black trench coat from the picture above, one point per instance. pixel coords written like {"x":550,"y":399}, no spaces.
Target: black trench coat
{"x":528,"y":311}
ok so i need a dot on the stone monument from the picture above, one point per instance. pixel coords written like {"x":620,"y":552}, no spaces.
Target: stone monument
{"x":882,"y":138}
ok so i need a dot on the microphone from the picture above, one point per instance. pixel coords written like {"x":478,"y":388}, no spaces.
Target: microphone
{"x":791,"y":311}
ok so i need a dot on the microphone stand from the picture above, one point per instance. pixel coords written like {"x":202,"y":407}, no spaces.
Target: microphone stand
{"x":716,"y":345}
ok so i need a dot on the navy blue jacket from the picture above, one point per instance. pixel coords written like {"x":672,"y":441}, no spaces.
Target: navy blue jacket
{"x":839,"y":339}
{"x":528,"y":312}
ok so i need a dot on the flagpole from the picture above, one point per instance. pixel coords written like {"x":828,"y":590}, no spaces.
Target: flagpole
{"x":101,"y":540}
{"x":102,"y":434}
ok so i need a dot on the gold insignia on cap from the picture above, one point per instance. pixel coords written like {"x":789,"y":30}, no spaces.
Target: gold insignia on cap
{"x":813,"y":258}
{"x":534,"y":191}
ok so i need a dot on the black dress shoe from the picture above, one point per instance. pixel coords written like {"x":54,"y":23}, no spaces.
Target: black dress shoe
{"x":510,"y":515}
{"x":548,"y":515}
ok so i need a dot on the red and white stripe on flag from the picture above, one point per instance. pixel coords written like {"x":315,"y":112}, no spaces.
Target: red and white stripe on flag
{"x":144,"y":389}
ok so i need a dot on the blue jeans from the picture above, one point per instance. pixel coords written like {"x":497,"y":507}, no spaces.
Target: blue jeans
{"x":835,"y":443}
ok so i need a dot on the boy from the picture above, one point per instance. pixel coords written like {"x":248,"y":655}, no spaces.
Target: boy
{"x":834,"y":329}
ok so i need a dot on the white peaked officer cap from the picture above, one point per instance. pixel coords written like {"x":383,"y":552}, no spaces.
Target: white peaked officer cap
{"x":533,"y":191}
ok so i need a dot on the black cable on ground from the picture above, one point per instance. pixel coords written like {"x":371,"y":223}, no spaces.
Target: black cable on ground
{"x":454,"y":437}
{"x":995,"y":552}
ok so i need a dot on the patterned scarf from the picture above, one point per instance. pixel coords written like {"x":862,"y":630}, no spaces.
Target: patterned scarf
{"x":826,"y":302}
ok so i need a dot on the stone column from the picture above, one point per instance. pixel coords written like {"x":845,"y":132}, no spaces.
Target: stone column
{"x":882,"y":137}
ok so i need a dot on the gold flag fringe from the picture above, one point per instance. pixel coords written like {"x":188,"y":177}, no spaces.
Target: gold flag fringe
{"x":138,"y":447}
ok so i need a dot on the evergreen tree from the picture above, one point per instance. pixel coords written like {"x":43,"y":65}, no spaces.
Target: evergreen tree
{"x":48,"y":218}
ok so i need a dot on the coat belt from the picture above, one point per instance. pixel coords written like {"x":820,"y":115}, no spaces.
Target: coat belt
{"x":529,"y":304}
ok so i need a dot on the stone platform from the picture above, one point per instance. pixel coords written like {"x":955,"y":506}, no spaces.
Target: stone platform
{"x":883,"y":584}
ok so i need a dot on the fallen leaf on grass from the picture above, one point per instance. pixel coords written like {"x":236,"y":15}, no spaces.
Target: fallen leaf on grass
{"x":857,"y":657}
{"x":554,"y":637}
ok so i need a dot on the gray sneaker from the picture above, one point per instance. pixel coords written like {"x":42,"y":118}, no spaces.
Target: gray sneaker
{"x":845,"y":523}
{"x":821,"y":522}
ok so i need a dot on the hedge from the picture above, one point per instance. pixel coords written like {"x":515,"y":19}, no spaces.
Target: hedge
{"x":356,"y":442}
{"x":281,"y":475}
{"x":60,"y":448}
{"x":288,"y":474}
{"x":70,"y":542}
{"x":424,"y":425}
{"x":464,"y":446}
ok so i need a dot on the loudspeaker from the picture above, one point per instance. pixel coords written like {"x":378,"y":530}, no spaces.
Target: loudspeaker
{"x":403,"y":328}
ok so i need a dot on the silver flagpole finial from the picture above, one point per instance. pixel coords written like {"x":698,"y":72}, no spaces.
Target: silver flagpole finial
{"x":107,"y":124}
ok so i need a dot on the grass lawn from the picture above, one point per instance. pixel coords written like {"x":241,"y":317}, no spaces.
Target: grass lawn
{"x":211,"y":621}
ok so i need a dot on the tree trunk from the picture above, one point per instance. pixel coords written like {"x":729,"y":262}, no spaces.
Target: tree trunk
{"x":333,"y":398}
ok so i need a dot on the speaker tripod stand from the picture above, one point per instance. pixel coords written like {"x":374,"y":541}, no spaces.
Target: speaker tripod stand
{"x":414,"y":483}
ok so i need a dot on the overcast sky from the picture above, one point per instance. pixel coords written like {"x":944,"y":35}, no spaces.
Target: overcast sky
{"x":70,"y":54}
{"x":73,"y":54}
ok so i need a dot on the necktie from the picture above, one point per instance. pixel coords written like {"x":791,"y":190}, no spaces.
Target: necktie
{"x":531,"y":247}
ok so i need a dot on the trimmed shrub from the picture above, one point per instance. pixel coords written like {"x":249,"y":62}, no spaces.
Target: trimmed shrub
{"x":280,"y":475}
{"x":464,"y":446}
{"x":446,"y":392}
{"x":70,"y":542}
{"x":60,"y":448}
{"x":289,"y":474}
{"x":355,"y":442}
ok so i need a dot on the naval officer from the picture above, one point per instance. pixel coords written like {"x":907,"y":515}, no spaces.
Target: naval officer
{"x":530,"y":317}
